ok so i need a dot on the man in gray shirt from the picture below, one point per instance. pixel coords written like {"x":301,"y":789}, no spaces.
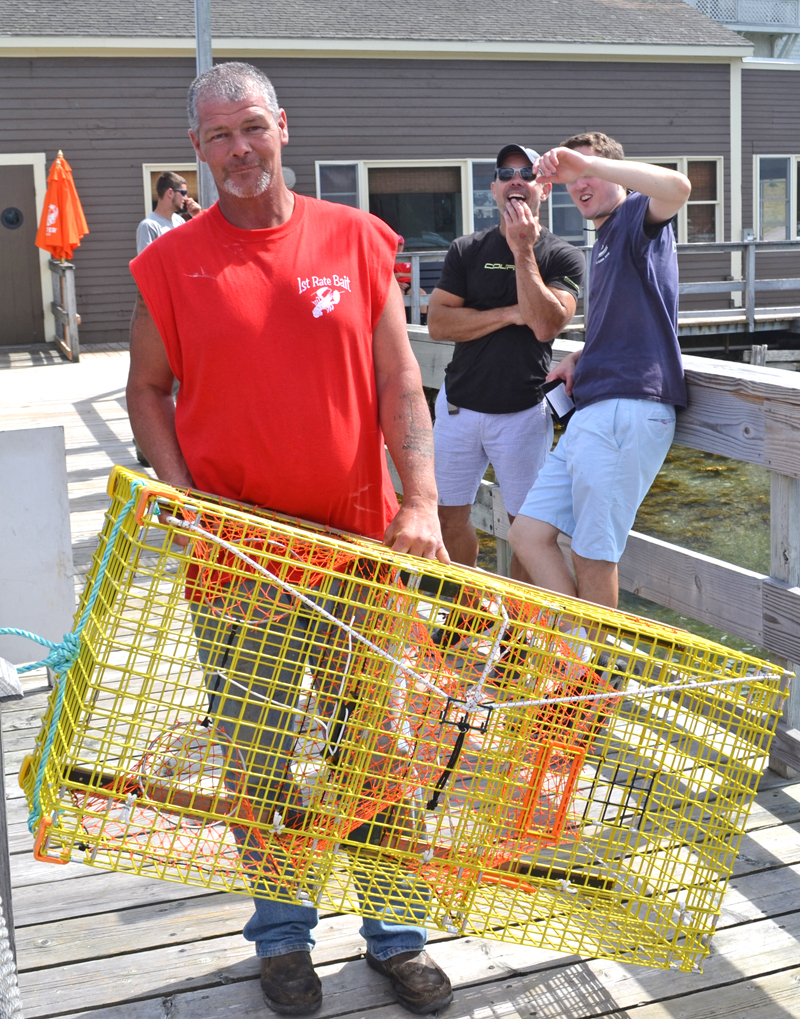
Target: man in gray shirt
{"x":172,"y":200}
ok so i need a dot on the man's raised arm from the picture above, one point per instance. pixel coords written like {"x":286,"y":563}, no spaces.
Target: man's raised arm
{"x":667,"y":189}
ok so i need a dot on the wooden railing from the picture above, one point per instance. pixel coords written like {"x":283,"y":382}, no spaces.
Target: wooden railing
{"x":744,"y":412}
{"x":748,"y":286}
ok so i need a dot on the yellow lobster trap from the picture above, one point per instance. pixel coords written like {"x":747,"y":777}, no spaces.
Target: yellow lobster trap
{"x":266,"y":707}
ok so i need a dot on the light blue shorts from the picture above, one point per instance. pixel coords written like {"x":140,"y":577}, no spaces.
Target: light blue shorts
{"x":602,"y":468}
{"x":466,"y":443}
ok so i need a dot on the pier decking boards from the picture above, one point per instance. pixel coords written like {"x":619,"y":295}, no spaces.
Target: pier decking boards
{"x":111,"y":946}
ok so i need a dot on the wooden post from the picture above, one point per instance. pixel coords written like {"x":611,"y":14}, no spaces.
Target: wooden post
{"x":5,"y":871}
{"x":785,"y":566}
{"x":750,"y":287}
{"x":503,"y":557}
{"x":500,"y":525}
{"x":758,"y":354}
{"x":415,"y":313}
{"x":65,"y":309}
{"x":10,"y":690}
{"x":71,"y":309}
{"x":207,"y":189}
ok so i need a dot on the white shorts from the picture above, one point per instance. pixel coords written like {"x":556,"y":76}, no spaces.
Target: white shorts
{"x":466,"y":443}
{"x":602,"y":468}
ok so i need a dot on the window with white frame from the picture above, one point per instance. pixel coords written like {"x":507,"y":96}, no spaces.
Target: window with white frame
{"x":701,"y":219}
{"x":338,"y":182}
{"x":430,"y":203}
{"x":152,"y":171}
{"x":425,"y":201}
{"x":484,"y":209}
{"x":777,"y":198}
{"x":565,"y":217}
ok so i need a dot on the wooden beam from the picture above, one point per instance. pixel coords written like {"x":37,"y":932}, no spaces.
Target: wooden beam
{"x":433,"y":356}
{"x":482,"y":513}
{"x":786,"y":746}
{"x":782,"y":437}
{"x":696,"y":585}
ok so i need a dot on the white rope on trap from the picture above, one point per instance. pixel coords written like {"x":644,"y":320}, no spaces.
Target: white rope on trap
{"x":472,"y":701}
{"x":651,"y":691}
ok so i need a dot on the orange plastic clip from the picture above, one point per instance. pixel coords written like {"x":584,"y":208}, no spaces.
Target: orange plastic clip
{"x":149,"y":492}
{"x":40,"y":844}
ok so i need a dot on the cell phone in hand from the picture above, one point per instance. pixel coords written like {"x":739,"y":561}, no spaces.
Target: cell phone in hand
{"x":562,"y":407}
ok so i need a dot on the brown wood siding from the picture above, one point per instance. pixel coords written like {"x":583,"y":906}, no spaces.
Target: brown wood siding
{"x":110,"y":116}
{"x":770,"y":126}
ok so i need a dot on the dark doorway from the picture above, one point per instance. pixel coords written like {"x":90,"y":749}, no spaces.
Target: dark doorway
{"x":21,"y":318}
{"x":421,"y":203}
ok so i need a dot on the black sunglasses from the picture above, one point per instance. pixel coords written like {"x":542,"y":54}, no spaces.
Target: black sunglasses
{"x":183,"y":191}
{"x":509,"y":172}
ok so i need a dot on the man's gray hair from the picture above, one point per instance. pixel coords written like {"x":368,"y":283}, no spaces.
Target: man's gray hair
{"x":232,"y":82}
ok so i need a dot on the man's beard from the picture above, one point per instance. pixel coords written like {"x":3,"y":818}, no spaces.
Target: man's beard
{"x":258,"y":187}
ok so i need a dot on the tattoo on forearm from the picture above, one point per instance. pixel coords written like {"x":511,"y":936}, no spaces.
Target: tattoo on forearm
{"x":418,"y":436}
{"x":139,"y":308}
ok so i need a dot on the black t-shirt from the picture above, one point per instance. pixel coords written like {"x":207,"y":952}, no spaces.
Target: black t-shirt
{"x":502,"y":372}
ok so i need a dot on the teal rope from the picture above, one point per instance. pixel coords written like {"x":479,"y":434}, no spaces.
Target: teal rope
{"x":64,"y":655}
{"x":61,"y":655}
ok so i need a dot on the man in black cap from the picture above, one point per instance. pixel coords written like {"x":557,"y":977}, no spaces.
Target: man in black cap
{"x":504,"y":294}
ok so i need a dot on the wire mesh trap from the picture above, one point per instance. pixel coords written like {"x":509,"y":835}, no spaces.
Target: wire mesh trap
{"x":281,"y":710}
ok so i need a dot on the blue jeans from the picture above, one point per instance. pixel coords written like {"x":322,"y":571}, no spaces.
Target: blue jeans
{"x":280,"y":927}
{"x":276,"y":927}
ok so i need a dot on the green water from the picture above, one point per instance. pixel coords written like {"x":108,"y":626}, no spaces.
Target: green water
{"x":712,"y":505}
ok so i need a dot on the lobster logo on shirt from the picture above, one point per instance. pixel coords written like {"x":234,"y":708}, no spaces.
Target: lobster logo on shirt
{"x":325,"y":292}
{"x":325,"y":300}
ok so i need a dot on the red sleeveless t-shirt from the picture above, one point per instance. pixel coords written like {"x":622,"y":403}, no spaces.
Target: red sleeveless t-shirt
{"x":270,"y":334}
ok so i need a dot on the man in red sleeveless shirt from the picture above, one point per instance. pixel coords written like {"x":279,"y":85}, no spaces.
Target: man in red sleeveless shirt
{"x":280,"y":317}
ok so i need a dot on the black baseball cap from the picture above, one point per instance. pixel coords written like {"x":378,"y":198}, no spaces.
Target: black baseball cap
{"x":530,"y":154}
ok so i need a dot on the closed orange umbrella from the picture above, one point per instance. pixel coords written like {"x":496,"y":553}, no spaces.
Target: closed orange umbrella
{"x":63,"y":223}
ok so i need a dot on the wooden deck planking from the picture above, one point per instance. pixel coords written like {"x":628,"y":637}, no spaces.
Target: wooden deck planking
{"x":107,"y":946}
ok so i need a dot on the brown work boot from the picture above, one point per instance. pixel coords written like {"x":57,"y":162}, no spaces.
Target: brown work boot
{"x":290,"y":985}
{"x":418,"y":984}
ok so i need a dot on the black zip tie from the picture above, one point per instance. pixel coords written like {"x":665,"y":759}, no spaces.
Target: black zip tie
{"x":463,"y":728}
{"x":217,"y":677}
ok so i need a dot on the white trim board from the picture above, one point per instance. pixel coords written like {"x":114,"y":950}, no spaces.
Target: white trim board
{"x":736,"y":172}
{"x":38,"y":160}
{"x":410,"y":49}
{"x":760,"y":64}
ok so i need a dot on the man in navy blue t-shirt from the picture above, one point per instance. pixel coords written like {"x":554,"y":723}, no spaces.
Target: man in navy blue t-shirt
{"x":627,"y":380}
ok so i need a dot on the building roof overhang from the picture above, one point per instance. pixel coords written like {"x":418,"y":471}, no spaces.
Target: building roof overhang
{"x":413,"y":49}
